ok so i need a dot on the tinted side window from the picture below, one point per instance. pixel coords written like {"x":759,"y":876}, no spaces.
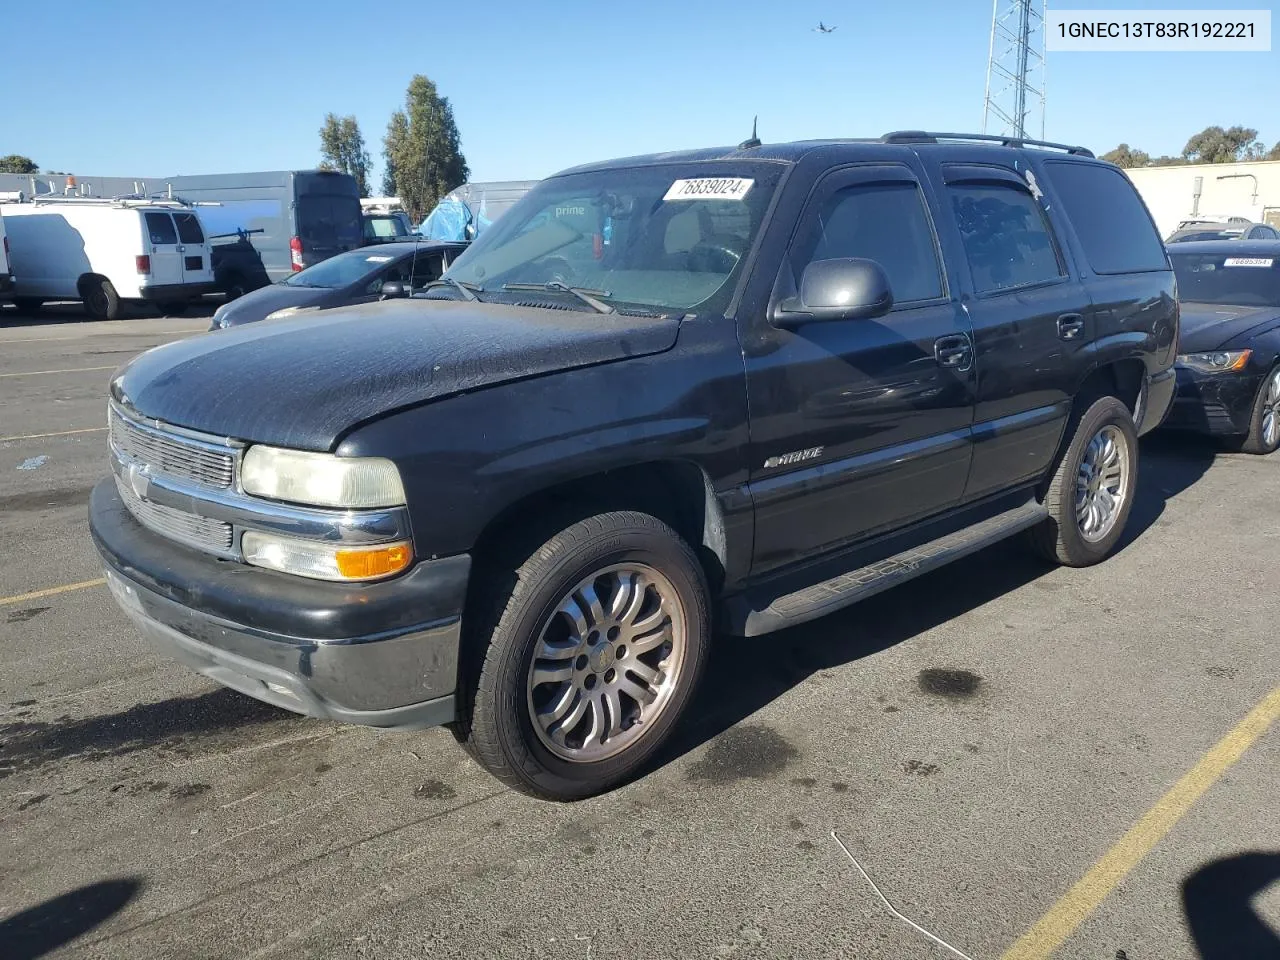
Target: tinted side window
{"x":188,"y":228}
{"x":1108,"y":216}
{"x":1006,"y":237}
{"x":160,"y":226}
{"x":884,"y":222}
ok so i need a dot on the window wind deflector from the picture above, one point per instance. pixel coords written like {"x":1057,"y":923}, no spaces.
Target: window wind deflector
{"x":981,"y":173}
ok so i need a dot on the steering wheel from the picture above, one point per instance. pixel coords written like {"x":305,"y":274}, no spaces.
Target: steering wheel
{"x":715,"y":255}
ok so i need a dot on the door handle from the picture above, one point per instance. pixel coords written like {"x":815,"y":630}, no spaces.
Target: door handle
{"x":954,"y":352}
{"x":1070,"y":326}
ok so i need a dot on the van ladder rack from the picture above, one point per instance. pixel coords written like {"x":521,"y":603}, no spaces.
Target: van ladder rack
{"x":123,"y":202}
{"x":922,"y":136}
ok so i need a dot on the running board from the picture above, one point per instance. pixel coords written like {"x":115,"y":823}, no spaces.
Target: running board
{"x":820,"y":599}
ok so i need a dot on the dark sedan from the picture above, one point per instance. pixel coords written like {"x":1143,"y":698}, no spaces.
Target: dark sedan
{"x":356,"y":276}
{"x":1228,"y":355}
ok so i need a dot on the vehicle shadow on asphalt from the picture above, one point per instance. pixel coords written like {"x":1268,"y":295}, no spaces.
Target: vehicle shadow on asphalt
{"x":745,"y":674}
{"x":1217,"y":902}
{"x":70,"y":313}
{"x":43,"y":928}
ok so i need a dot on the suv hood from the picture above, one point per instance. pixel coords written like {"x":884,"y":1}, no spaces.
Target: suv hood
{"x":304,"y":382}
{"x":1210,"y":326}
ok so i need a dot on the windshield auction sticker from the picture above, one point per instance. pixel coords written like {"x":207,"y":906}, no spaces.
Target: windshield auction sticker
{"x":709,"y":188}
{"x":1247,"y":262}
{"x":1131,"y":31}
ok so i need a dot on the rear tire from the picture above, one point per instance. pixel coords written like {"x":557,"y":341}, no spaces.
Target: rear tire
{"x":1091,"y":491}
{"x":1264,"y":426}
{"x":28,"y":304}
{"x":101,"y":302}
{"x":594,"y":649}
{"x":233,"y":287}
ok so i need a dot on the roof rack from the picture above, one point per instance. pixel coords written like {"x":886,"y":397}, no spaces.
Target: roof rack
{"x":127,"y":200}
{"x":922,"y":136}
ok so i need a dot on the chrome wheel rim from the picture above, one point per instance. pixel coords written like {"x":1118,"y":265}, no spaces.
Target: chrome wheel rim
{"x":1102,"y":483}
{"x":1271,"y":411}
{"x":607,"y":662}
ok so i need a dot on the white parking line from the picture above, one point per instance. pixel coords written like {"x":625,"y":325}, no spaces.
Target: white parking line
{"x":60,"y":433}
{"x":41,"y":373}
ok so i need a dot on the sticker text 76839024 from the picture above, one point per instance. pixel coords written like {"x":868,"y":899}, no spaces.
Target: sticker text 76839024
{"x":709,"y":188}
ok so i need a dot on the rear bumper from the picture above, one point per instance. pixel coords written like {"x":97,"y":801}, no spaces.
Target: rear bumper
{"x":382,"y":654}
{"x":1160,"y":393}
{"x":176,"y":291}
{"x":1217,"y":404}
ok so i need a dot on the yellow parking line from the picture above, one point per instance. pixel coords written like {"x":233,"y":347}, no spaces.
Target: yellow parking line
{"x":1052,"y":930}
{"x":41,"y":373}
{"x":65,"y":588}
{"x":60,"y":433}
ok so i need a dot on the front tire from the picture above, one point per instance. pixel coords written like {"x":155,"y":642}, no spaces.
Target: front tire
{"x":1264,"y":426}
{"x":594,"y":650}
{"x":1091,"y":492}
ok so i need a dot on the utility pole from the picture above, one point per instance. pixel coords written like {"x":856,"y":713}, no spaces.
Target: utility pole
{"x":1014,"y":99}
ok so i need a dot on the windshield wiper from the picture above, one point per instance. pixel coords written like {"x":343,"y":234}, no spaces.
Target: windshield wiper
{"x":468,"y":290}
{"x":585,"y":294}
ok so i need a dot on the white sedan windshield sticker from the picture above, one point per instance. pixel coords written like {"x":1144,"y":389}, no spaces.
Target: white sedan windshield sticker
{"x":1248,"y":262}
{"x":709,"y":188}
{"x":378,"y":259}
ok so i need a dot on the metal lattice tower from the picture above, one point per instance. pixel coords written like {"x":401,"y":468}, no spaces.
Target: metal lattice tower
{"x":1015,"y":69}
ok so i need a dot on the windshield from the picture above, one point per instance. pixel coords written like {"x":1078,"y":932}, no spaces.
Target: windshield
{"x":1252,"y":281}
{"x":670,"y":237}
{"x":341,"y":270}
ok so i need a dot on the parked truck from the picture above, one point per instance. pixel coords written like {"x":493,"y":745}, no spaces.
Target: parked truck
{"x":743,"y":386}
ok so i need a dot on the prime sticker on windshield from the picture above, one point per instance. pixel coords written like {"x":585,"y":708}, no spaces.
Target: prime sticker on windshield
{"x":709,"y":188}
{"x":1248,"y":262}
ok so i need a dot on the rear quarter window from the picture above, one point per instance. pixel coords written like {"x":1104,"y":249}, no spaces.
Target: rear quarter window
{"x":1108,"y":216}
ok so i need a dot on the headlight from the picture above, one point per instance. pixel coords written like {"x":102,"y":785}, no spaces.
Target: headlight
{"x":282,"y":312}
{"x":321,"y":479}
{"x":324,"y":561}
{"x":1220,"y":361}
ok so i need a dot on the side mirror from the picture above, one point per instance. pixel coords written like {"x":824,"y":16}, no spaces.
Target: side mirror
{"x":391,"y":290}
{"x":845,"y":289}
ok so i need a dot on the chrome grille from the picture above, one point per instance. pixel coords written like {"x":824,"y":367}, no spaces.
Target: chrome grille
{"x":171,"y":454}
{"x":189,"y":528}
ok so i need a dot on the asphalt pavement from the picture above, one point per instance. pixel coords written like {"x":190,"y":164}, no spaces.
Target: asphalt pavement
{"x":1024,"y":760}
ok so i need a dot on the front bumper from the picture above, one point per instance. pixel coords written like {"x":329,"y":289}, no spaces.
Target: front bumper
{"x":176,"y":291}
{"x":381,"y":654}
{"x":1220,"y":404}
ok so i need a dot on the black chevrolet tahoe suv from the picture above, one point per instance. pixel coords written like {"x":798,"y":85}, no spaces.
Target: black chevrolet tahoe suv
{"x":737,"y":387}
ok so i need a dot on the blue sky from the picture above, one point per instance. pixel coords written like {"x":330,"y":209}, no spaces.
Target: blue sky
{"x":212,"y":88}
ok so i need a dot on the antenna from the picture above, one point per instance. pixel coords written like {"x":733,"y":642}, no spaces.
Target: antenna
{"x":752,"y":141}
{"x":1015,"y":69}
{"x":426,"y":160}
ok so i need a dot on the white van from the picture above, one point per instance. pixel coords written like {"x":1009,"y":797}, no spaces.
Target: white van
{"x":107,"y":253}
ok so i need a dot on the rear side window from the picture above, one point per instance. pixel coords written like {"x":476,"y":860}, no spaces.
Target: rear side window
{"x":188,"y":228}
{"x":160,"y":226}
{"x":1006,"y":237}
{"x":1109,"y":218}
{"x":884,"y":222}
